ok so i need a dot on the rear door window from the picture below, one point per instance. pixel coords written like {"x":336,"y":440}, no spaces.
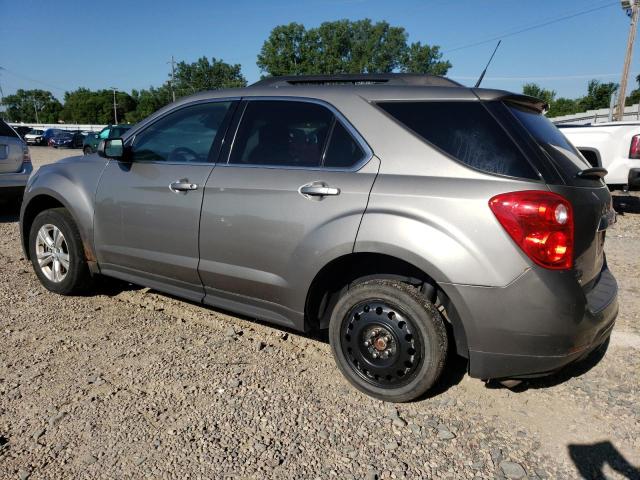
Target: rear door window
{"x":282,"y":133}
{"x":465,"y":131}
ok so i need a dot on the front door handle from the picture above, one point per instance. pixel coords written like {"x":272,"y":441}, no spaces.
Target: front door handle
{"x":317,"y":190}
{"x":182,"y":186}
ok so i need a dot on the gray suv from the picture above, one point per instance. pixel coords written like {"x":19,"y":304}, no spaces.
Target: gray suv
{"x":15,"y":162}
{"x":407,"y":215}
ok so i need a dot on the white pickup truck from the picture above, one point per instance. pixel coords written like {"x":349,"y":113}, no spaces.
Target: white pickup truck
{"x":612,"y":145}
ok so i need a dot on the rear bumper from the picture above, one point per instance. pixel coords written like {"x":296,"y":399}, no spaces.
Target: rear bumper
{"x":17,"y":179}
{"x":536,"y":325}
{"x":634,"y":178}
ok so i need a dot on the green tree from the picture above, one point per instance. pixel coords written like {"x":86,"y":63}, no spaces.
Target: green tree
{"x":345,"y":46}
{"x":424,"y":59}
{"x":22,"y":106}
{"x":598,"y":95}
{"x":148,"y":101}
{"x":564,"y":106}
{"x":535,"y":90}
{"x":634,"y":95}
{"x":206,"y":75}
{"x":287,"y":51}
{"x":87,"y":106}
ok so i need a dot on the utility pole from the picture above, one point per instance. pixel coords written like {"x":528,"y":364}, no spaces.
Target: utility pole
{"x":35,"y":107}
{"x":631,"y":7}
{"x":115,"y":105}
{"x":173,"y":73}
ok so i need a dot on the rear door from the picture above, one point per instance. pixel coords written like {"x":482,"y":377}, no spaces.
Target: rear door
{"x":289,"y":199}
{"x":147,"y":209}
{"x":11,"y":150}
{"x":590,"y":197}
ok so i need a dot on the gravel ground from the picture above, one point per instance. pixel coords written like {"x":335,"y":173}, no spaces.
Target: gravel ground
{"x":131,"y":383}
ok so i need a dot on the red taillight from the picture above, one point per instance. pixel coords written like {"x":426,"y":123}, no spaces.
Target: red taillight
{"x":541,"y":223}
{"x":26,"y":156}
{"x":634,"y":149}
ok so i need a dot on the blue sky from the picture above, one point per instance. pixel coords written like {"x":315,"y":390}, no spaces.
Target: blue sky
{"x":67,"y":44}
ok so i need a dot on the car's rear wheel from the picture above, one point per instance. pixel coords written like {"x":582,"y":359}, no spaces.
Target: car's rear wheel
{"x":87,"y":150}
{"x":56,"y":252}
{"x":388,"y":340}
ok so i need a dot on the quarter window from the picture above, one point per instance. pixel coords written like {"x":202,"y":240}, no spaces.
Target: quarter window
{"x":467,"y":132}
{"x":185,"y":135}
{"x":282,"y":133}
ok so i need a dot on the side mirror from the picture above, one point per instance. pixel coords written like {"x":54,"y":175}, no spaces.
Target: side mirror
{"x":111,"y":148}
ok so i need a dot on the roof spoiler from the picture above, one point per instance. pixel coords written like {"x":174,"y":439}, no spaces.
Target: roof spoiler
{"x":396,"y":79}
{"x":527,"y":101}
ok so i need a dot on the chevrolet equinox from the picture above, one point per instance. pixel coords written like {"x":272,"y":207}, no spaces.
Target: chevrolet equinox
{"x":408,"y":215}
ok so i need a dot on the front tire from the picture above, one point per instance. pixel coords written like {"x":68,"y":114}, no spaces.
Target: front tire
{"x":388,"y":340}
{"x":87,"y":150}
{"x":57,"y":254}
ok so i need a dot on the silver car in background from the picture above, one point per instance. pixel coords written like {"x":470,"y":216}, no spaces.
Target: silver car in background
{"x":15,"y":163}
{"x":407,"y":215}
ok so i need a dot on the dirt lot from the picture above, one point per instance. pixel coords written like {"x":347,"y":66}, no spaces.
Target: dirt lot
{"x":131,"y":383}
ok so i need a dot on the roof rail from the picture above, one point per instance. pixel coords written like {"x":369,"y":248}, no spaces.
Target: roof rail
{"x":396,"y":79}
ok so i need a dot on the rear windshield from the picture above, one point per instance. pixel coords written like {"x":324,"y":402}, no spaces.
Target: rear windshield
{"x":467,"y":132}
{"x":551,"y":140}
{"x":7,"y":131}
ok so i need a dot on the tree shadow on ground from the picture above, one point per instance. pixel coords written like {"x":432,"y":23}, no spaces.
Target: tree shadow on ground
{"x":626,"y":204}
{"x":591,"y":459}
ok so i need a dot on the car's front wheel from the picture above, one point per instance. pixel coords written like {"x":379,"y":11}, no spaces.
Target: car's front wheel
{"x":56,"y":252}
{"x":87,"y":150}
{"x":388,"y":340}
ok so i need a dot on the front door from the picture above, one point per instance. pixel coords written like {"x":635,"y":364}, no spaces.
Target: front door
{"x":289,"y":199}
{"x":148,"y":208}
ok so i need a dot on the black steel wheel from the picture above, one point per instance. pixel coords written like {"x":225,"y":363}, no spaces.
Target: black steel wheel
{"x":381,"y":343}
{"x":388,"y":340}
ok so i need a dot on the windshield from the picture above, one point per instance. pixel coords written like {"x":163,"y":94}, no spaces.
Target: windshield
{"x":551,"y":140}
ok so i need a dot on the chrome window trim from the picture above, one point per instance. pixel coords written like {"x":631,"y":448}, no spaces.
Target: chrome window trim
{"x":366,"y":158}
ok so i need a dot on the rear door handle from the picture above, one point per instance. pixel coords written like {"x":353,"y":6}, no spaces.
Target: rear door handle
{"x":182,"y":186}
{"x":319,"y":190}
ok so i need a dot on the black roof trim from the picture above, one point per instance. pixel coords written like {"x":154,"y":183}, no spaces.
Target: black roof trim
{"x":395,"y":79}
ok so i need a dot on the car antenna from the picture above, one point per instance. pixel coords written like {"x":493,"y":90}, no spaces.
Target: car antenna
{"x":485,"y":68}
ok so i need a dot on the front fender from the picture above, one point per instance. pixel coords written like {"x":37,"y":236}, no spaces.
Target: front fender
{"x":70,"y":184}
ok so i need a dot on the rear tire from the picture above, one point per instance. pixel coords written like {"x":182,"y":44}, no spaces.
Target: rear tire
{"x":57,"y":254}
{"x":388,"y":340}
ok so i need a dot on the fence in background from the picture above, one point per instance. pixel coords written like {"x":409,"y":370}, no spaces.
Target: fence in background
{"x":631,"y":113}
{"x":60,"y":126}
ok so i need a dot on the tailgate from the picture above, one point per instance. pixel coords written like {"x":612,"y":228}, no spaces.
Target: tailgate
{"x":11,"y":155}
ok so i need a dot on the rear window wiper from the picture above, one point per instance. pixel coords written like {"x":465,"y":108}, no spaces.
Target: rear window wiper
{"x":593,"y":172}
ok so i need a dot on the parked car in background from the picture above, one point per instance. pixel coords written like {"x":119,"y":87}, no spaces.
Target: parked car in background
{"x":48,"y":134}
{"x":67,"y":139}
{"x":15,"y":162}
{"x":22,"y":130}
{"x":34,"y":137}
{"x":405,"y":214}
{"x":612,"y":145}
{"x":91,"y":141}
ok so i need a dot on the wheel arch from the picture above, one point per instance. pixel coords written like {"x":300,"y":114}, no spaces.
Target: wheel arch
{"x":45,"y":200}
{"x":340,"y":273}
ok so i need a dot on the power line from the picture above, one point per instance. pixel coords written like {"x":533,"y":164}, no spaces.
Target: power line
{"x":531,"y":27}
{"x":33,"y":80}
{"x":543,"y":77}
